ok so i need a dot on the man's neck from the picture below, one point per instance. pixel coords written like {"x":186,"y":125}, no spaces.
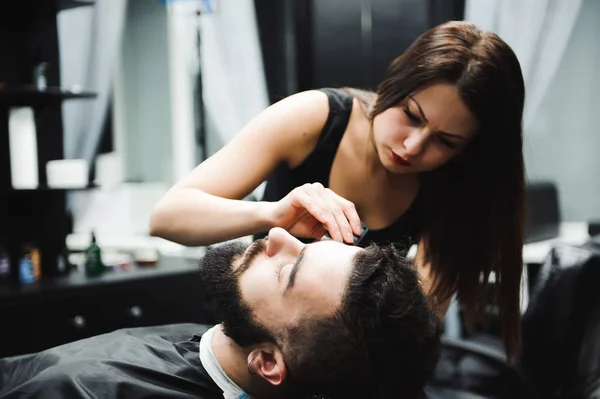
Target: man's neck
{"x":234,"y":362}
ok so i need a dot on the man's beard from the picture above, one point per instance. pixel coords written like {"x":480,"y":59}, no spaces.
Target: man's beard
{"x":222,"y":285}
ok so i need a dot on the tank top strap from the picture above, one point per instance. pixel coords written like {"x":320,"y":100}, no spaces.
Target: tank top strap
{"x":340,"y":107}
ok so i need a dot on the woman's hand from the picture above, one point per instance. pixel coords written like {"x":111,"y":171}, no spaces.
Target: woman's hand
{"x":311,"y":210}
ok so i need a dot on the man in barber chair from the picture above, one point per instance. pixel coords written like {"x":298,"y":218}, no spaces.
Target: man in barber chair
{"x":297,"y":320}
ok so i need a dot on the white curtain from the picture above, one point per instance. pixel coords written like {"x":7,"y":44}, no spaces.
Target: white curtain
{"x":89,"y":40}
{"x":538,"y":32}
{"x":235,"y":88}
{"x":230,"y":64}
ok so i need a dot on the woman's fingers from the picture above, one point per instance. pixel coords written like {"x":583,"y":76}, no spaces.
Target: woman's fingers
{"x":334,"y":204}
{"x":307,"y":200}
{"x":337,"y":214}
{"x":313,"y":196}
{"x":351,"y":215}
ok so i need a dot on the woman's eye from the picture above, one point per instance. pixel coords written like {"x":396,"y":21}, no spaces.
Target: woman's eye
{"x":447,"y":142}
{"x":411,"y":116}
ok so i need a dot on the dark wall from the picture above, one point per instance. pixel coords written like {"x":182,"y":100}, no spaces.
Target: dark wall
{"x":28,"y":36}
{"x":271,"y":24}
{"x":308,"y":44}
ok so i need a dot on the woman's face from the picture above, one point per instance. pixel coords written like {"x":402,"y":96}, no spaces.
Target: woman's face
{"x":425,"y":131}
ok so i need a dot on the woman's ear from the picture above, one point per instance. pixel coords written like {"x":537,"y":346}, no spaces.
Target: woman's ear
{"x":268,"y":364}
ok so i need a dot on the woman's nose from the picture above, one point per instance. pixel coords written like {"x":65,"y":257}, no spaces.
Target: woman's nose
{"x":281,"y":241}
{"x":414,"y":143}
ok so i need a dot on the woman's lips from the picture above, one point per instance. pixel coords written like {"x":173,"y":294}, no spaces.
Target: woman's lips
{"x":399,"y":160}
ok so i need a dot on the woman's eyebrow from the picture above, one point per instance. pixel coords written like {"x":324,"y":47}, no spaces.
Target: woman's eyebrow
{"x":452,"y":135}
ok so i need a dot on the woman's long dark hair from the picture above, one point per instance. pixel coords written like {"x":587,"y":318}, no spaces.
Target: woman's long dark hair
{"x":474,"y":205}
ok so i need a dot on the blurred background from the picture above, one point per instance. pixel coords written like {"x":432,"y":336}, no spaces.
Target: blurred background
{"x":104,"y":104}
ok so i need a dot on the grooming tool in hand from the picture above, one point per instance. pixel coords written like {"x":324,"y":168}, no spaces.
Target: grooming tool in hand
{"x":357,"y":239}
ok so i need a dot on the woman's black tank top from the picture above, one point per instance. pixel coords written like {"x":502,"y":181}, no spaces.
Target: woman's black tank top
{"x":317,"y":167}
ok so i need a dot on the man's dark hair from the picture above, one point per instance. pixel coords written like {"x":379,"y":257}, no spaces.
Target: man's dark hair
{"x":383,"y":342}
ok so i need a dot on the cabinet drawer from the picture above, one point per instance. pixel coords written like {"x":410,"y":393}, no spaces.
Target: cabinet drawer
{"x":68,"y":321}
{"x":33,"y":327}
{"x":175,"y":300}
{"x":44,"y":321}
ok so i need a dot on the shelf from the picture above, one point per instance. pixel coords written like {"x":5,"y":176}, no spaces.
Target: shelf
{"x":35,"y":97}
{"x":43,"y":188}
{"x":68,"y":4}
{"x":77,"y":279}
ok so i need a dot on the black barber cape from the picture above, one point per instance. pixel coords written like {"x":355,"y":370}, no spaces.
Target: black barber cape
{"x":156,"y":362}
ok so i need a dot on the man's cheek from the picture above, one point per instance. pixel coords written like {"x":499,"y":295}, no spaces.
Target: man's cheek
{"x":253,"y":283}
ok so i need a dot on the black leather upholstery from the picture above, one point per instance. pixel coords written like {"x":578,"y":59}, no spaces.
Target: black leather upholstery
{"x":476,"y":369}
{"x":561,"y":328}
{"x":561,"y":340}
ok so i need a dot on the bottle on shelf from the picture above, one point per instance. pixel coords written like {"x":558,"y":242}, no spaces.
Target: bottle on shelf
{"x":26,"y":266}
{"x":63,"y":266}
{"x":39,"y":76}
{"x":36,"y":261}
{"x":93,"y":265}
{"x":23,"y":148}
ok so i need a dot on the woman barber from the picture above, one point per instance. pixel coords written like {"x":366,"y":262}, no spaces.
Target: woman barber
{"x":433,"y":157}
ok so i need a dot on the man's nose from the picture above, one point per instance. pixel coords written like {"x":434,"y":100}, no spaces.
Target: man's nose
{"x":281,"y":241}
{"x":415,"y":142}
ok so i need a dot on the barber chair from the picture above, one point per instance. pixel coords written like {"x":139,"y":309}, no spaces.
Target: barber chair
{"x":561,"y":339}
{"x":561,"y":328}
{"x":477,"y":369}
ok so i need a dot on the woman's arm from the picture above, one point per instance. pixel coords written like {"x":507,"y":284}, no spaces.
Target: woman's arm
{"x":205,"y":207}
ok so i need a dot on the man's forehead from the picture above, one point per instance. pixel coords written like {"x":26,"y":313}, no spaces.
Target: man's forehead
{"x":336,"y":248}
{"x":331,"y":254}
{"x":323,"y":278}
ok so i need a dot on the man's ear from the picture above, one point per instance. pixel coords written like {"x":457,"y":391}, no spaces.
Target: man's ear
{"x":267,"y":362}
